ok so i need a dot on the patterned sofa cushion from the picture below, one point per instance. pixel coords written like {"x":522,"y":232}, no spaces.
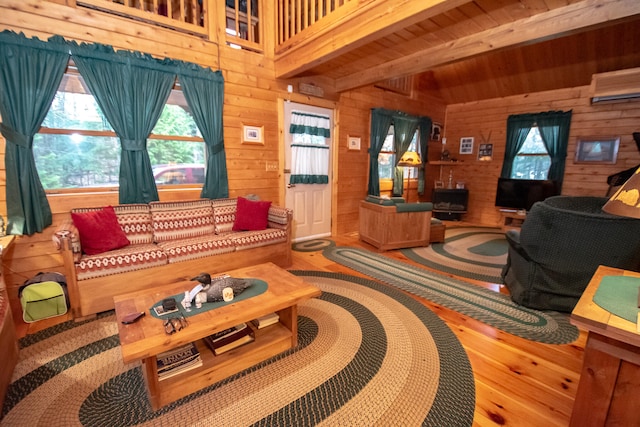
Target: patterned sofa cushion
{"x":135,"y":220}
{"x":197,"y":247}
{"x":224,"y":213}
{"x":129,"y":258}
{"x":181,"y":219}
{"x":253,"y":239}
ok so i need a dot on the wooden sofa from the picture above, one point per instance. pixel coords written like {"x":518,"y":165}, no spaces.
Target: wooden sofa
{"x":393,"y":224}
{"x":170,"y":242}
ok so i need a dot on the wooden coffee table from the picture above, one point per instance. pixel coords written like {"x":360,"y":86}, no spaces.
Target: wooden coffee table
{"x":146,"y":338}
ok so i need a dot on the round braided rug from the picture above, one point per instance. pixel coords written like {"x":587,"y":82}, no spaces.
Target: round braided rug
{"x":368,"y":354}
{"x":477,"y":253}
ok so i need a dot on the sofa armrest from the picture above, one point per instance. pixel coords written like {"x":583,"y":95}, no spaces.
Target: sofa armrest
{"x":67,"y":239}
{"x":279,"y":217}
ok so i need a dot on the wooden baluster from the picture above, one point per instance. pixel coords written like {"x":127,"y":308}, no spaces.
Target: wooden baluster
{"x":249,"y":22}
{"x":313,"y":12}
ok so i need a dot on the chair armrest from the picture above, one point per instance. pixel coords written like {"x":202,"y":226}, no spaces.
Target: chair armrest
{"x":513,"y":238}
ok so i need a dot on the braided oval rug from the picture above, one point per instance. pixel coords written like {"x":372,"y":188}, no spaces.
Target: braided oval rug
{"x":485,"y":305}
{"x":367,"y":355}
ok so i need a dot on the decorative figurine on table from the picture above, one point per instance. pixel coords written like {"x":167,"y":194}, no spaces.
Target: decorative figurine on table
{"x":222,"y":288}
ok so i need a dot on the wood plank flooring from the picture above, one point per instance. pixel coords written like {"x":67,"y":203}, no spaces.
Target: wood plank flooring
{"x":518,"y":382}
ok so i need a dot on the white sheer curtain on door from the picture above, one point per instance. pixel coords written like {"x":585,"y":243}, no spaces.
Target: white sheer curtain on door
{"x":309,"y":149}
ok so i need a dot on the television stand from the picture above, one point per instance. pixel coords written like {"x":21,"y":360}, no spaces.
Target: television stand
{"x":512,"y":219}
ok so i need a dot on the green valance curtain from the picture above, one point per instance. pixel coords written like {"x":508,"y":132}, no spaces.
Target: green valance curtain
{"x":204,"y":91}
{"x":405,"y":126}
{"x":309,"y":150}
{"x":30,"y":73}
{"x":131,"y":89}
{"x":554,"y":129}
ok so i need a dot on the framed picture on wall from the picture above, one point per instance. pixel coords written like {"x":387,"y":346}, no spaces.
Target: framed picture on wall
{"x":466,"y":145}
{"x":353,"y":143}
{"x":599,"y":149}
{"x":252,"y":134}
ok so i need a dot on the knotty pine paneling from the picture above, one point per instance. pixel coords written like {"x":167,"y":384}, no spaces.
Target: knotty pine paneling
{"x":489,"y":117}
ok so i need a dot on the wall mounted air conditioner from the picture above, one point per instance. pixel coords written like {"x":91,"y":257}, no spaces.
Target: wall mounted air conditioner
{"x":615,"y":86}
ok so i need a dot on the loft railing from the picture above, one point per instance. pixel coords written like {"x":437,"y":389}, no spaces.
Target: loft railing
{"x":294,"y":16}
{"x":184,"y":15}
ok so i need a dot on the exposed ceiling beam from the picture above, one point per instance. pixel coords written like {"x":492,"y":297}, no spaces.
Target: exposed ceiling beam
{"x":358,"y":25}
{"x":544,"y":26}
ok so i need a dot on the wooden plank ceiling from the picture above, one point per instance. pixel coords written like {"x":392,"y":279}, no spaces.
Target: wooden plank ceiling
{"x":462,"y":51}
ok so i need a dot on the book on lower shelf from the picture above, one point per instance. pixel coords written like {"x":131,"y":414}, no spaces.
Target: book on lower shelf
{"x":266,"y":320}
{"x":178,"y":360}
{"x":229,"y":339}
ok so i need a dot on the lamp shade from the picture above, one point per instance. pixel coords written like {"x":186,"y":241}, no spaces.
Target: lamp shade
{"x":410,"y":158}
{"x":626,"y":201}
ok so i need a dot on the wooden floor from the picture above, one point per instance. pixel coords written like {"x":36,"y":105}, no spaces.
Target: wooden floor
{"x":518,"y":382}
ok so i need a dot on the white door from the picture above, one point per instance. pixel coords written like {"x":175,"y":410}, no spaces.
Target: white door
{"x":311,"y":203}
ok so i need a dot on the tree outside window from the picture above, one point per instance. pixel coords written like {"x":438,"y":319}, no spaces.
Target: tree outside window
{"x":533,"y":160}
{"x":387,"y":157}
{"x":77,"y":148}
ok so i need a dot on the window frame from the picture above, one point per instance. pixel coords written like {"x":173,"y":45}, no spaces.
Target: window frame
{"x":72,"y":70}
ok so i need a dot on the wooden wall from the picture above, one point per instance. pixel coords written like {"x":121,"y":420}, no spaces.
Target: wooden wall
{"x":252,"y":96}
{"x":476,"y":119}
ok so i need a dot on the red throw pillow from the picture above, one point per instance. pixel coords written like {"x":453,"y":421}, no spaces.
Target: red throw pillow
{"x":99,"y":231}
{"x":251,"y":215}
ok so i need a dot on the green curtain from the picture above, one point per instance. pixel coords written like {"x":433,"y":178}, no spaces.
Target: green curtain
{"x":554,"y":129}
{"x":380,"y":123}
{"x":204,"y":92}
{"x":131,"y":88}
{"x":518,"y":127}
{"x":30,"y":73}
{"x":404,"y":127}
{"x":425,"y":134}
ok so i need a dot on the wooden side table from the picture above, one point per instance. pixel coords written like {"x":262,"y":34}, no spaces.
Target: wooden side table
{"x":512,"y":219}
{"x":610,"y":378}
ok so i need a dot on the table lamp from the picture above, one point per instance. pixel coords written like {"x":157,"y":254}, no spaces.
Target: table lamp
{"x":626,"y":201}
{"x":410,"y":159}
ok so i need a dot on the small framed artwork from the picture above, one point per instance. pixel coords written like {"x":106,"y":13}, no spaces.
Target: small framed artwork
{"x":599,"y":149}
{"x":438,"y":184}
{"x":253,"y":134}
{"x":353,"y":143}
{"x":436,"y":131}
{"x":466,"y":145}
{"x":485,"y":152}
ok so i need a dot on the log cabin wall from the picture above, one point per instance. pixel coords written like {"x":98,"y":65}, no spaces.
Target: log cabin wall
{"x":489,"y":119}
{"x":251,"y":97}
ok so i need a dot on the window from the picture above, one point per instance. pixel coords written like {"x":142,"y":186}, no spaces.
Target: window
{"x":387,"y":157}
{"x":77,"y":148}
{"x":533,"y":160}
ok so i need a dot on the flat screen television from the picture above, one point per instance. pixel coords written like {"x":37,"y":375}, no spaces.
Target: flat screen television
{"x":523,"y":193}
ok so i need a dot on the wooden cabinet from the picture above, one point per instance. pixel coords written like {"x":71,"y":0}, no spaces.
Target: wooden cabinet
{"x":386,"y":228}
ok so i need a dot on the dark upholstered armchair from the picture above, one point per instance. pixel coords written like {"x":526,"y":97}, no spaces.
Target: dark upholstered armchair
{"x":561,"y":243}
